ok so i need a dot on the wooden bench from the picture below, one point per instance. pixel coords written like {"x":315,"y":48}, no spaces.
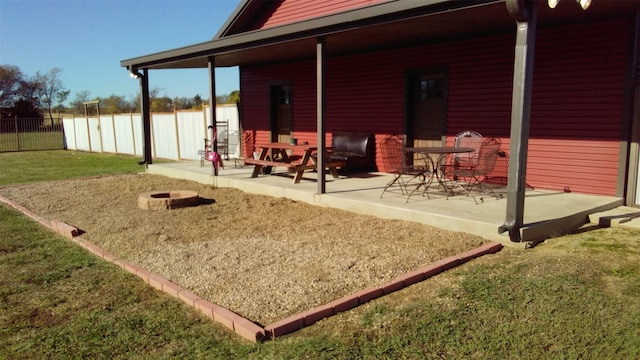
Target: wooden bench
{"x":291,"y":167}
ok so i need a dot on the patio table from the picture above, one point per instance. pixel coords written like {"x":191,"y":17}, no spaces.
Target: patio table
{"x":440,"y":153}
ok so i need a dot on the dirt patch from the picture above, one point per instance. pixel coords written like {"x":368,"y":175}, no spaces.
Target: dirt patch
{"x":263,"y":257}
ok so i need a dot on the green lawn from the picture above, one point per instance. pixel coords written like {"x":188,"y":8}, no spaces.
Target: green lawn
{"x":24,"y":167}
{"x":27,"y":141}
{"x":574,"y":297}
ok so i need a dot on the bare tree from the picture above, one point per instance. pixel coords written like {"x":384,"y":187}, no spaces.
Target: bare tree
{"x":52,"y":89}
{"x":61,"y":97}
{"x":77,"y":104}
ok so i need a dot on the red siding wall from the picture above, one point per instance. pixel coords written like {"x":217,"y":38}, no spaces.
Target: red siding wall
{"x":576,"y":109}
{"x":296,"y":10}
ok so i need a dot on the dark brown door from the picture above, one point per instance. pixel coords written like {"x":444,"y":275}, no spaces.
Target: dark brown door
{"x":281,"y":124}
{"x":427,"y":108}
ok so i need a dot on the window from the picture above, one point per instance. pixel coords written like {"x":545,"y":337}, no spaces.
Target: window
{"x":431,"y":89}
{"x":285,"y":96}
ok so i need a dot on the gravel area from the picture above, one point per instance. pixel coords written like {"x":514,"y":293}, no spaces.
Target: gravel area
{"x":262,"y":257}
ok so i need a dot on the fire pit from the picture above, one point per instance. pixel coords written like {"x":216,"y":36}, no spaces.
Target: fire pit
{"x":161,"y":200}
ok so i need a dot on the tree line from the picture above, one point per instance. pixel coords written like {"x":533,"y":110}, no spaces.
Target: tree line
{"x":117,"y":104}
{"x":44,"y":95}
{"x":30,"y":96}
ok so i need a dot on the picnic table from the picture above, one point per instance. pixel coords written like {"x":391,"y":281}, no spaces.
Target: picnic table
{"x":277,"y":154}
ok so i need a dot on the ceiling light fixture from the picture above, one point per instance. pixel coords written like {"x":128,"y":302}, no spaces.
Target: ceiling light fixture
{"x":584,"y":4}
{"x":134,"y":74}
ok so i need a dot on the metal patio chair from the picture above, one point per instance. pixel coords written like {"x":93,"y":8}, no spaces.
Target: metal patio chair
{"x":467,"y":139}
{"x":409,"y":177}
{"x":472,"y":177}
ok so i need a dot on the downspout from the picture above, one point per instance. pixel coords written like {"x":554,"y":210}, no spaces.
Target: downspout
{"x":524,"y":13}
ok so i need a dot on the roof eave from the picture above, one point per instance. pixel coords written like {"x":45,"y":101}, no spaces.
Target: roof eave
{"x":389,"y":11}
{"x":235,"y":15}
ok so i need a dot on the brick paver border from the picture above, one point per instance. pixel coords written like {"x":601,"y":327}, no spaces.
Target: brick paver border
{"x":245,"y":327}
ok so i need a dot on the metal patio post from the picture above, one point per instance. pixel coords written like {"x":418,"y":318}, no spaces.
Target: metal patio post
{"x":212,"y":109}
{"x":146,"y":115}
{"x":320,"y":94}
{"x":524,"y":13}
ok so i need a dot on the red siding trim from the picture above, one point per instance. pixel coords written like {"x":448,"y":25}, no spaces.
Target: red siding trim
{"x":290,"y":11}
{"x":577,"y":105}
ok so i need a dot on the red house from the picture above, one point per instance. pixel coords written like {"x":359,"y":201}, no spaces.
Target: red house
{"x":558,"y":84}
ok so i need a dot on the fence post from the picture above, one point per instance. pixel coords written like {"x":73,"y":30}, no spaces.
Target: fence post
{"x":75,"y":134}
{"x":15,"y":120}
{"x":100,"y":133}
{"x":153,"y":135}
{"x":113,"y":127}
{"x":88,"y":133}
{"x":65,"y":144}
{"x":204,"y":119}
{"x":175,"y":123}
{"x":133,"y":133}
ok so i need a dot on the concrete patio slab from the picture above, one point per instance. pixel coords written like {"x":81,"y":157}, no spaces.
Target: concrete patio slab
{"x":547,"y":213}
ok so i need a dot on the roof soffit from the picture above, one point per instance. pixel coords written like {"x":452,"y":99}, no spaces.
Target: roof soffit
{"x":195,"y":55}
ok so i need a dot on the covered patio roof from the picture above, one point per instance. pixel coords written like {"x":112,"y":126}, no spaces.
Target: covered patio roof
{"x":382,"y":26}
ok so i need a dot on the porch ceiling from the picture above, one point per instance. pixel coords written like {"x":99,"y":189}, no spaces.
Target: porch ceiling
{"x":413,"y":30}
{"x":368,"y":31}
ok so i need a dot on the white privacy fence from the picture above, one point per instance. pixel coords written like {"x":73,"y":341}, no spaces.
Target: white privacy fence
{"x":174,"y":136}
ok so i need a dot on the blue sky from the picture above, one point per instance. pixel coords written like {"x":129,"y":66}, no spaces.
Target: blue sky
{"x":87,"y":39}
